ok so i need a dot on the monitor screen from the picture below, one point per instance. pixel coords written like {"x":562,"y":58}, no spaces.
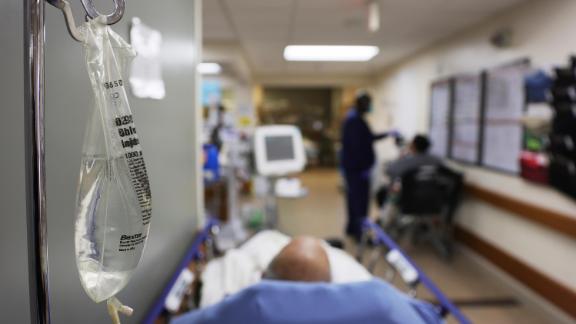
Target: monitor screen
{"x":279,"y":148}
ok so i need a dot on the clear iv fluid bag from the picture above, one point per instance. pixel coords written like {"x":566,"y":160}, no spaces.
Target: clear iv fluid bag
{"x":113,"y":201}
{"x":109,"y":232}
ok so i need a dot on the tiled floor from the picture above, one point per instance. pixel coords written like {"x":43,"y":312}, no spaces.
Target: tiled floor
{"x":322,"y":214}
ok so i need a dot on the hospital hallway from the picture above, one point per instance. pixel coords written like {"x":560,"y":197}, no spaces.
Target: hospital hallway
{"x":466,"y":279}
{"x":288,"y":161}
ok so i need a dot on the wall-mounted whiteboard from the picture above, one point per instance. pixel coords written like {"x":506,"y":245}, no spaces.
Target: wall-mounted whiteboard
{"x":440,"y":107}
{"x":502,"y":129}
{"x":465,"y":140}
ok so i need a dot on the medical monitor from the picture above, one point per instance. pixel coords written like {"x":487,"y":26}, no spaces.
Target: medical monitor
{"x":278,"y":150}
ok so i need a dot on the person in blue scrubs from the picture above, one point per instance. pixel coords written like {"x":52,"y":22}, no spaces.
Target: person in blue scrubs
{"x":357,"y":159}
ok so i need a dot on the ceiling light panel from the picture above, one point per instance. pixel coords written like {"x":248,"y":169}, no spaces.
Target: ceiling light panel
{"x":330,"y":53}
{"x":209,"y":68}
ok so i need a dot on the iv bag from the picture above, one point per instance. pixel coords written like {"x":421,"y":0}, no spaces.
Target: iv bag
{"x":114,"y":201}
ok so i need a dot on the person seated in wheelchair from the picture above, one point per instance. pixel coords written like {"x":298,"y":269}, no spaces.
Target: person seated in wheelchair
{"x":299,"y":285}
{"x":422,"y":197}
{"x":414,"y":157}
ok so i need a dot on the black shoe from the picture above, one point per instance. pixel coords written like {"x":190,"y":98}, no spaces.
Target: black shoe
{"x":369,"y":242}
{"x":336,"y":243}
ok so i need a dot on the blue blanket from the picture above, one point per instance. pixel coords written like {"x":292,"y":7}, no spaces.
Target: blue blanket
{"x":278,"y":302}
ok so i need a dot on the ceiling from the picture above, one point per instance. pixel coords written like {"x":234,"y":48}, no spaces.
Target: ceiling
{"x":262,"y":28}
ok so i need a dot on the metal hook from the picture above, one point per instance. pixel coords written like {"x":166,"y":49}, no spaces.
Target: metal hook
{"x":57,"y":3}
{"x":64,"y":5}
{"x":111,"y":19}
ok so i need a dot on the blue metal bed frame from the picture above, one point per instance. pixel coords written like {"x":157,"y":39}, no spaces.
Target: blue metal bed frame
{"x":382,"y":239}
{"x":192,"y":254}
{"x":446,"y":306}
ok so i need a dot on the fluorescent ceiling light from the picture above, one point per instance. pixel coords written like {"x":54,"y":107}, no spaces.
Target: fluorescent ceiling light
{"x":374,"y":16}
{"x":209,"y":68}
{"x":336,"y":53}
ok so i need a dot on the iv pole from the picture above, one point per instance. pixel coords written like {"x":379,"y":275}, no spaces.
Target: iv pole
{"x":36,"y":219}
{"x":35,"y":163}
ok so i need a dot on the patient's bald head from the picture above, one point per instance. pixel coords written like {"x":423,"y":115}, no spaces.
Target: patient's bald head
{"x":303,"y":259}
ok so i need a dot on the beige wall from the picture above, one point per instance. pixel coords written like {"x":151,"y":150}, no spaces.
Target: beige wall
{"x":543,"y":31}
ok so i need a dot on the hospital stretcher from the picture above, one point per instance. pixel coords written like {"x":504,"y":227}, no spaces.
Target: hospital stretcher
{"x":202,"y":249}
{"x":410,"y":273}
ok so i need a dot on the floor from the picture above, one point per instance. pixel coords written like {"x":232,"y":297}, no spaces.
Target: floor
{"x":322,"y":214}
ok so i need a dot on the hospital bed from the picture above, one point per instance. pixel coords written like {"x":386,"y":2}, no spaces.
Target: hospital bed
{"x":202,"y":249}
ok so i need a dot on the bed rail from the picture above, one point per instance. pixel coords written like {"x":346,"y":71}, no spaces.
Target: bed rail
{"x":194,"y":253}
{"x":404,"y":264}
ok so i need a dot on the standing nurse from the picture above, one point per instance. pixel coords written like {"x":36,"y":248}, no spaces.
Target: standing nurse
{"x":357,"y":159}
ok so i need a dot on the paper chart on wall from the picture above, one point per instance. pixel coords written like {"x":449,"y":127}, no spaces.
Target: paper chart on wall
{"x":503,"y":131}
{"x":439,"y":118}
{"x":466,"y":118}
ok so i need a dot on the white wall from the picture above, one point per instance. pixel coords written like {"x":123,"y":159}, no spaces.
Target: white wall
{"x":543,"y":31}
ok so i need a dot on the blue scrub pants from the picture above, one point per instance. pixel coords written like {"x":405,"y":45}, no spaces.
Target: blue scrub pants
{"x":357,"y":201}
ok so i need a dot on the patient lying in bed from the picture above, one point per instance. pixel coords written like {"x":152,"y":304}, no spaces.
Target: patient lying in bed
{"x":305,"y":282}
{"x":242,"y":267}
